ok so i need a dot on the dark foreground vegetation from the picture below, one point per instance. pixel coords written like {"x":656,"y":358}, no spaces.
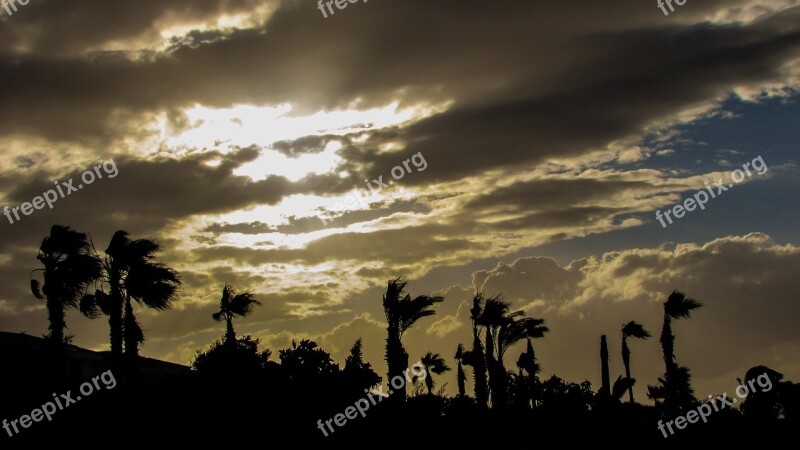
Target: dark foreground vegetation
{"x":236,"y":393}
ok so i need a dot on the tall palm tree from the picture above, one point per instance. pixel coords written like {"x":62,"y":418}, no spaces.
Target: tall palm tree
{"x":476,"y":358}
{"x":233,"y":304}
{"x":433,"y":363}
{"x":131,"y":274}
{"x":402,"y":312}
{"x":495,"y":313}
{"x":69,"y":269}
{"x":635,"y":330}
{"x":677,"y":390}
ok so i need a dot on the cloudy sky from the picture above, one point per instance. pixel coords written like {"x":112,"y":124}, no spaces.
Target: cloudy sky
{"x":546,"y":135}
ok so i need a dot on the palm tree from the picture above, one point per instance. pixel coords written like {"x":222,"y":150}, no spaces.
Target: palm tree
{"x":461,"y":376}
{"x":677,"y":388}
{"x":527,"y":361}
{"x":69,"y":269}
{"x":528,"y":380}
{"x":233,"y":304}
{"x":631,"y":329}
{"x":503,"y":330}
{"x":402,"y":312}
{"x":131,"y":274}
{"x":433,"y":364}
{"x":513,"y":329}
{"x":495,"y":313}
{"x":476,"y":358}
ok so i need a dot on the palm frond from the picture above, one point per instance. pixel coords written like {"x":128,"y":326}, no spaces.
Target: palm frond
{"x":679,"y":306}
{"x":636,"y":330}
{"x":621,"y":386}
{"x":243,"y":303}
{"x":35,"y":289}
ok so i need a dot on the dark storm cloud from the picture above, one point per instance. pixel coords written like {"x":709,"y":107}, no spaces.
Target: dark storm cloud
{"x":401,"y":247}
{"x":519,"y":100}
{"x":553,"y":193}
{"x":58,"y":28}
{"x":145,"y":195}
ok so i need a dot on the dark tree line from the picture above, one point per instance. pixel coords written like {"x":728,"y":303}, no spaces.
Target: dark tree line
{"x":306,"y":384}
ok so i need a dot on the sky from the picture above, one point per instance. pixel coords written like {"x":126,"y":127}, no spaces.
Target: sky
{"x":523,"y":147}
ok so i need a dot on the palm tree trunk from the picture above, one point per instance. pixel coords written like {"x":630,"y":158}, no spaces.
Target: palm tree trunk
{"x":131,"y":338}
{"x":491,"y":365}
{"x":479,"y":371}
{"x":668,"y":346}
{"x":397,"y":363}
{"x":429,"y":382}
{"x":605,"y":387}
{"x":55,"y":314}
{"x":115,"y":322}
{"x":230,"y":335}
{"x":626,"y":359}
{"x":461,"y":380}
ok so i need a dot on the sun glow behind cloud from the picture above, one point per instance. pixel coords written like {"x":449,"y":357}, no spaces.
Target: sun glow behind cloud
{"x":244,"y":125}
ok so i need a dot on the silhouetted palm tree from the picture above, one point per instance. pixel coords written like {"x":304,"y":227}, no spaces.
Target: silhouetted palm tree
{"x":677,"y":388}
{"x":402,"y":312}
{"x":433,"y":363}
{"x":233,"y":304}
{"x":503,"y":330}
{"x":69,"y":269}
{"x":527,"y":361}
{"x":495,"y":313}
{"x":527,"y":381}
{"x":131,"y":274}
{"x":631,"y":329}
{"x":476,"y":358}
{"x":461,"y":376}
{"x":515,"y":329}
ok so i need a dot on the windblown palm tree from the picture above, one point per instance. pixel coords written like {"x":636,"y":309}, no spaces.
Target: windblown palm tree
{"x":131,"y":274}
{"x":233,"y":304}
{"x":503,"y":330}
{"x":433,"y":363}
{"x":461,"y":376}
{"x":69,"y":269}
{"x":676,"y":382}
{"x":636,"y":330}
{"x":402,"y":312}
